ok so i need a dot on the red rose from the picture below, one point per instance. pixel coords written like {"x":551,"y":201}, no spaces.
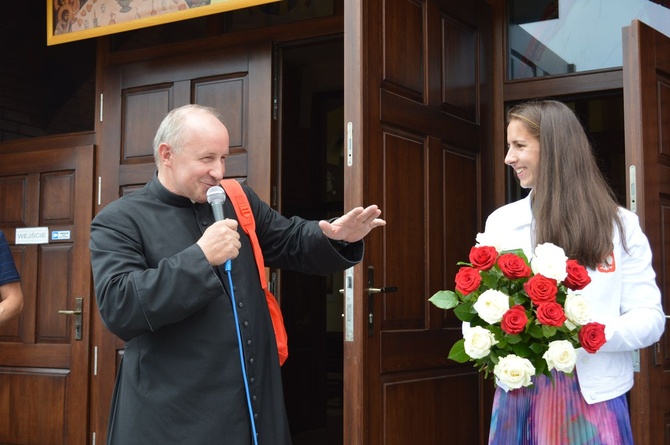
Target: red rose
{"x":514,"y":320}
{"x":541,"y":289}
{"x":483,"y":257}
{"x":513,"y":266}
{"x":467,"y":280}
{"x":578,"y":278}
{"x":551,"y":314}
{"x":592,"y":336}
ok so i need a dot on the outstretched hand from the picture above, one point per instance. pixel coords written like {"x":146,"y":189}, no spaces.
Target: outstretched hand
{"x":354,"y":225}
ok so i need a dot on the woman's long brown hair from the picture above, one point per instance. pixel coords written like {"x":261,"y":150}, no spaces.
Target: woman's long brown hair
{"x":573,"y":206}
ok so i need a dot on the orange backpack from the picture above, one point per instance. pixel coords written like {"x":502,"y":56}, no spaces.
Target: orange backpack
{"x":246,"y":219}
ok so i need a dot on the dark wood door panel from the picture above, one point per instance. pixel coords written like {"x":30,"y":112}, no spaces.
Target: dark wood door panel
{"x":403,"y":174}
{"x":30,"y":419}
{"x":429,"y":408}
{"x":409,"y":351}
{"x":151,"y":89}
{"x":403,"y":45}
{"x":143,"y":109}
{"x":451,"y":57}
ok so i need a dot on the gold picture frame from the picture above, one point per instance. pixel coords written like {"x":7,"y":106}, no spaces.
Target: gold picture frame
{"x":70,"y":20}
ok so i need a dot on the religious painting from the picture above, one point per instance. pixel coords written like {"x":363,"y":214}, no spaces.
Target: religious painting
{"x":70,"y":20}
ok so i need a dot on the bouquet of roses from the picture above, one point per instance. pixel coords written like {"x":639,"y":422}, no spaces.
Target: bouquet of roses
{"x":523,"y":318}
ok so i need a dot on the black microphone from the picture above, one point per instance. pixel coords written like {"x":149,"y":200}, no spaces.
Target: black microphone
{"x":216,"y":197}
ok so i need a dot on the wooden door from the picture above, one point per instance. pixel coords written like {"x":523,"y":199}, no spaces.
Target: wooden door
{"x":646,"y":74}
{"x":44,"y":356}
{"x":417,"y":124}
{"x":136,"y":97}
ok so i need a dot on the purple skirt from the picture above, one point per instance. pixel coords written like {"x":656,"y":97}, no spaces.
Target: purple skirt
{"x":546,"y":414}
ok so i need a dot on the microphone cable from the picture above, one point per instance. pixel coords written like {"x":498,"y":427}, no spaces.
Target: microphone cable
{"x":227,"y":268}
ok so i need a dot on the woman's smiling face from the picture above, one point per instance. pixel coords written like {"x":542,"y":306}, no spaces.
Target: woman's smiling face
{"x":523,"y":153}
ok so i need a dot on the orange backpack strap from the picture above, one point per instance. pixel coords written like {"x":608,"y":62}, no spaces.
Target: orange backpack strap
{"x":245,"y":218}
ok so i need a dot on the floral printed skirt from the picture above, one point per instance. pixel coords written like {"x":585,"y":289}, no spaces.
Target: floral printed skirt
{"x":546,"y":414}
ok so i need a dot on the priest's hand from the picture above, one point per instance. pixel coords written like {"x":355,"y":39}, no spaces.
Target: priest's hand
{"x":354,"y":225}
{"x":220,"y":242}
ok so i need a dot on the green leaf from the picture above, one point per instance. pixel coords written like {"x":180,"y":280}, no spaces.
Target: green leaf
{"x":444,"y":299}
{"x":496,"y":330}
{"x":535,"y":331}
{"x":491,"y":279}
{"x":537,"y":348}
{"x":457,"y":352}
{"x":541,"y":368}
{"x":548,"y":331}
{"x":513,"y":339}
{"x":519,"y":298}
{"x":521,"y":349}
{"x":464,"y":312}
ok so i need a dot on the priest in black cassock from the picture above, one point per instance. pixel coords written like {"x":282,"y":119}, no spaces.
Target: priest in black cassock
{"x":157,"y":256}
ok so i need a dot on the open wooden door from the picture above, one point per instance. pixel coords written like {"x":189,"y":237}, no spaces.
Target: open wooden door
{"x":47,"y":183}
{"x":646,"y":74}
{"x":417,"y":131}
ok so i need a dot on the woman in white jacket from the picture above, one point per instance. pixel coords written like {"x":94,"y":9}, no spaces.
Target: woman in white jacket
{"x":571,"y":206}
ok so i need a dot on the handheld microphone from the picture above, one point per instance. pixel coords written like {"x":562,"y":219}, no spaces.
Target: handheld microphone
{"x":216,"y":196}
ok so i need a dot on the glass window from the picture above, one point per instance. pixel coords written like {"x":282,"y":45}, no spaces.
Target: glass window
{"x":550,"y":37}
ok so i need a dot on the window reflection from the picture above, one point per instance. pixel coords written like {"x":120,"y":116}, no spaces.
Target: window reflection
{"x":552,"y":37}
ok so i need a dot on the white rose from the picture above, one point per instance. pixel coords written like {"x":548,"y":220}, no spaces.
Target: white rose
{"x":478,"y":341}
{"x":561,"y":355}
{"x":491,"y":306}
{"x":577,"y":310}
{"x":514,"y":372}
{"x":550,"y":261}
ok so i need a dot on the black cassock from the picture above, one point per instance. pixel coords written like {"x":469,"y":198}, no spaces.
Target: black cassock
{"x":180,"y":380}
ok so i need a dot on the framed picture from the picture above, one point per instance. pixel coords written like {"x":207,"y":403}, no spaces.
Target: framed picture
{"x":70,"y":20}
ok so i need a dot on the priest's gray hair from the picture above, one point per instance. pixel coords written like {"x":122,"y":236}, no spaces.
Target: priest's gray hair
{"x":170,"y":130}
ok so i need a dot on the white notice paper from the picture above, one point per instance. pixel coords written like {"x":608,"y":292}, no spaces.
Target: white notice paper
{"x":32,"y":235}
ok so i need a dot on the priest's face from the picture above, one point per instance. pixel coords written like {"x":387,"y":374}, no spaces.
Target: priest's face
{"x":200,"y":163}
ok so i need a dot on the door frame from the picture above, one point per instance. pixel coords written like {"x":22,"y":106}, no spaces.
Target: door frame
{"x":644,"y":153}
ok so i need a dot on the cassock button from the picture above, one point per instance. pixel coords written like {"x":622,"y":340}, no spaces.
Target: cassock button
{"x":246,"y":323}
{"x":253,"y":398}
{"x":255,"y":415}
{"x":252,"y":380}
{"x":248,"y":342}
{"x":251,"y":360}
{"x":240,"y":304}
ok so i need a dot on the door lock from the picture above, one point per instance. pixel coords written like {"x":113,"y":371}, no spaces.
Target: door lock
{"x":77,"y":312}
{"x":371,"y":300}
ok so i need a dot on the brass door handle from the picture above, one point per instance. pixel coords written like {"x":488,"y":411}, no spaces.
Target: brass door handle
{"x":382,"y":290}
{"x":69,"y":312}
